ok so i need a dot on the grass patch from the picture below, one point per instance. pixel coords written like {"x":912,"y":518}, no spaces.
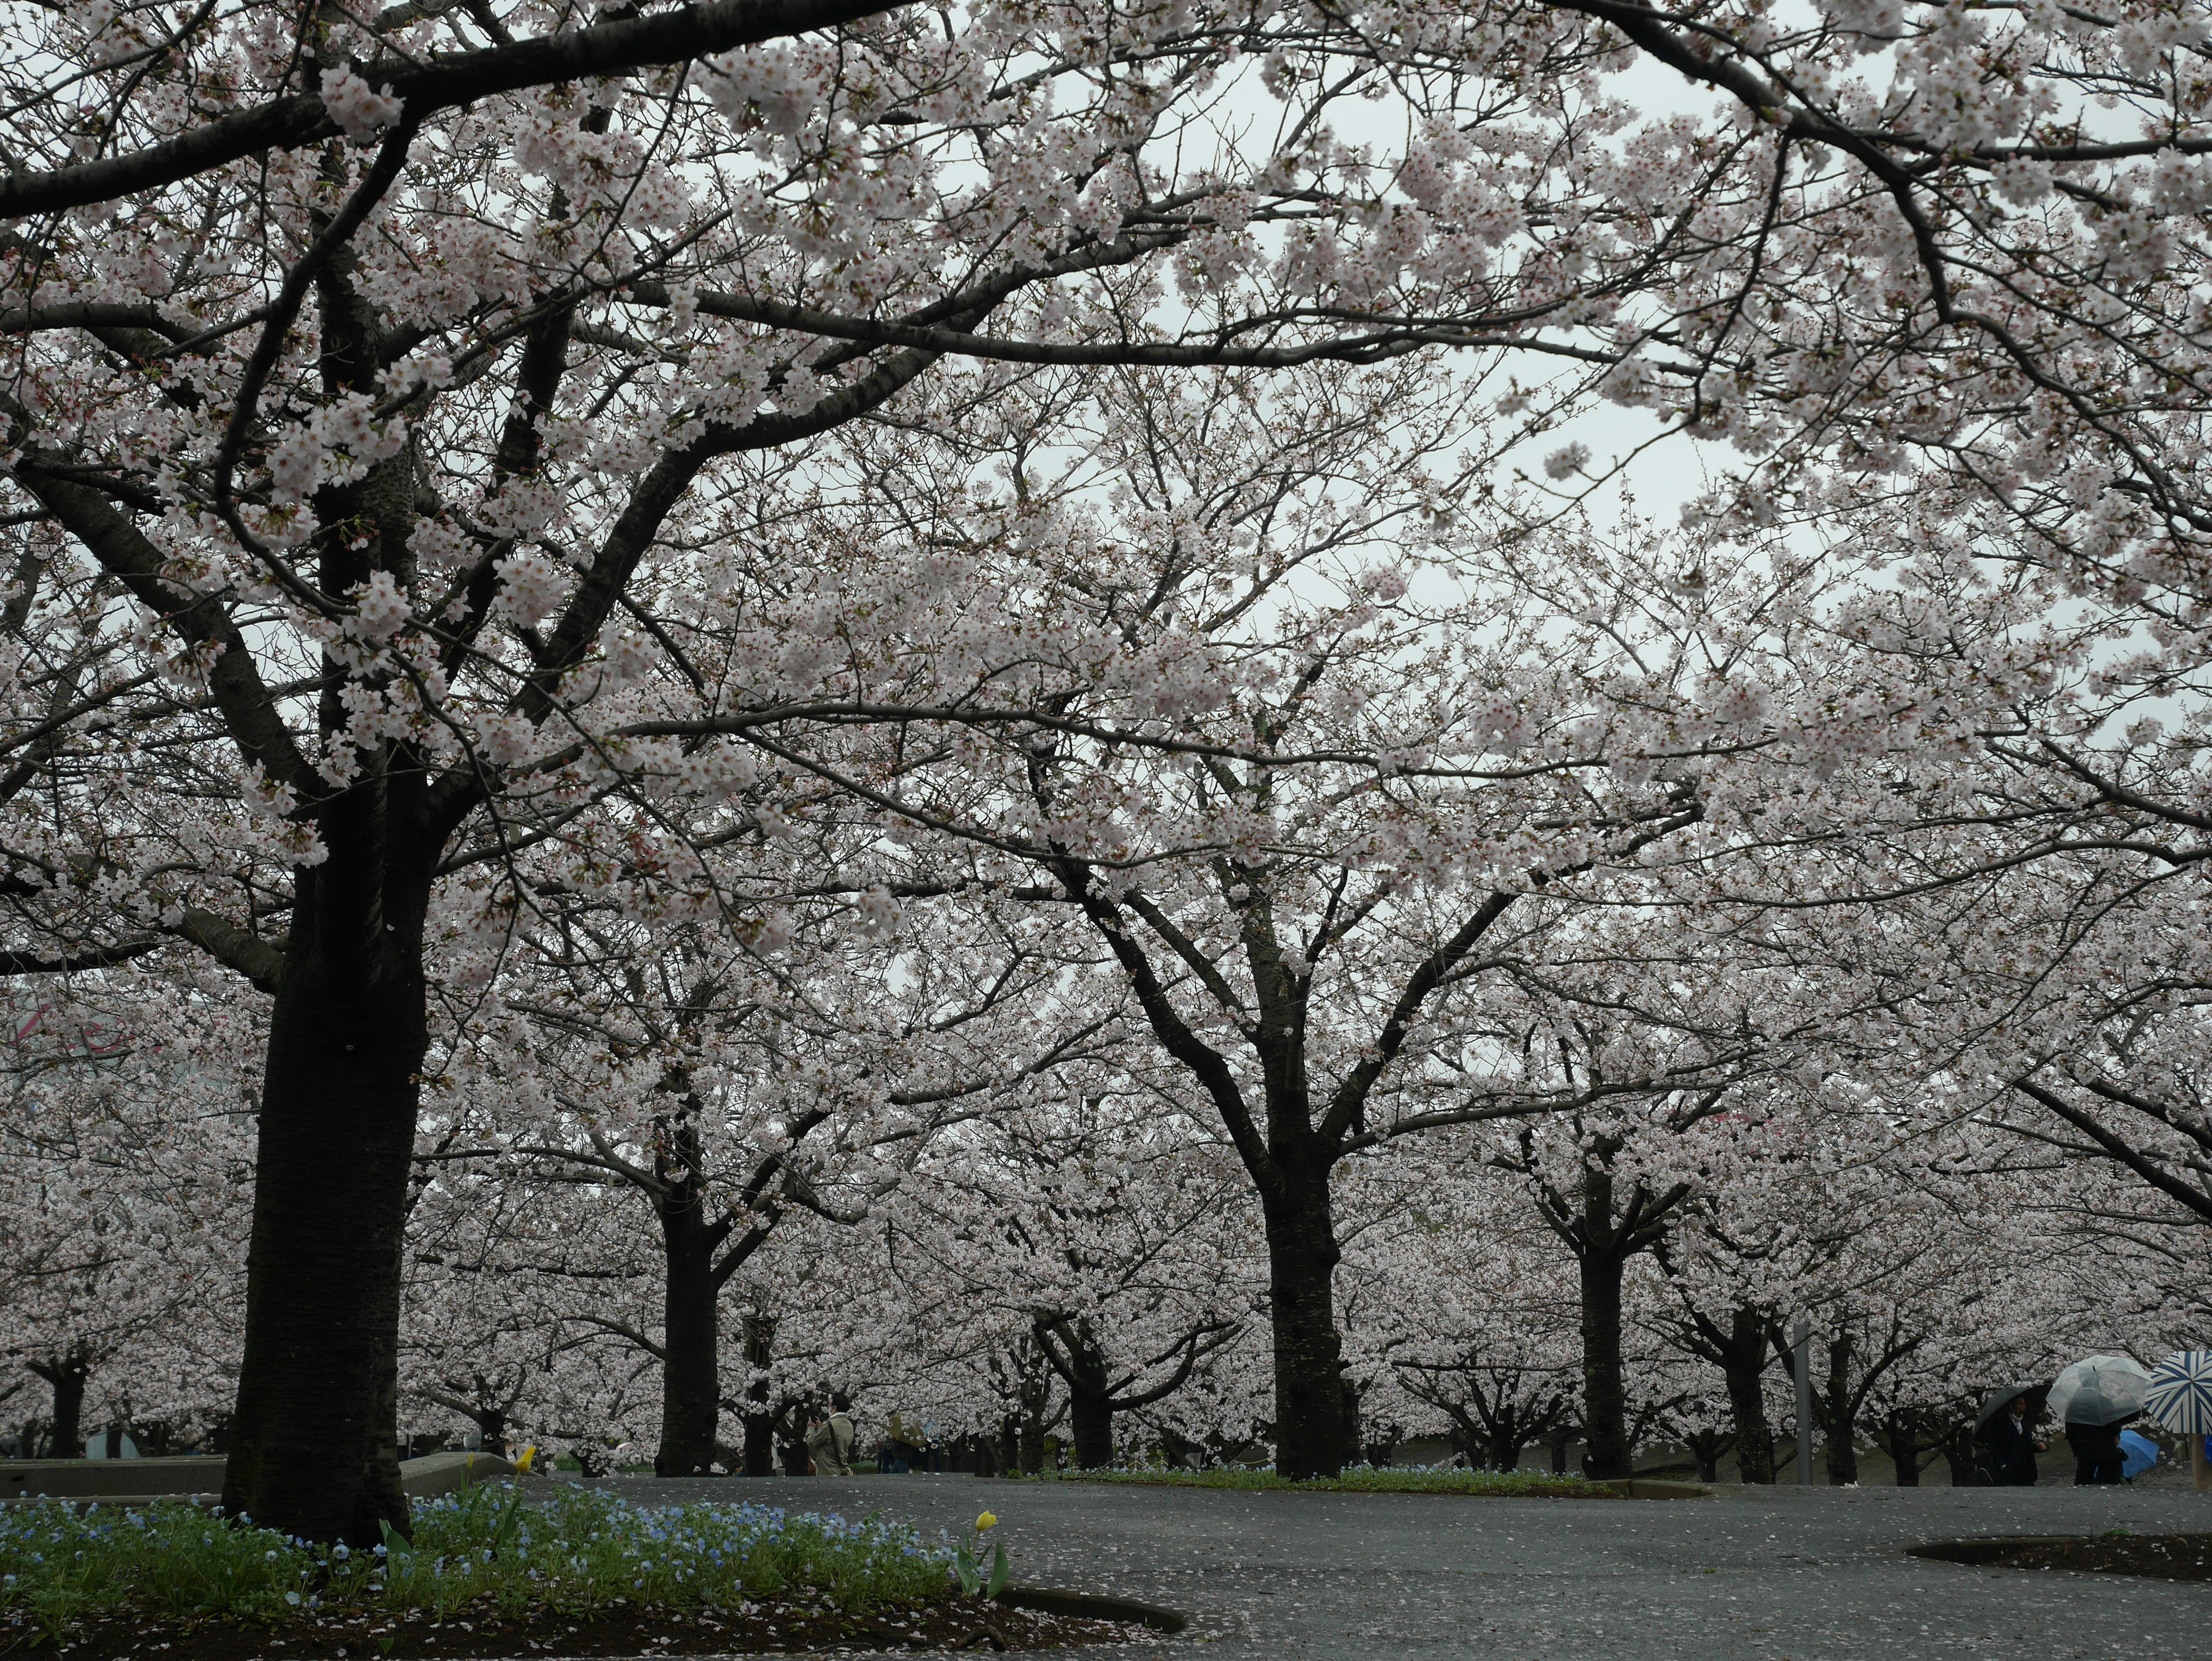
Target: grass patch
{"x":579,"y":1552}
{"x":1359,"y":1479}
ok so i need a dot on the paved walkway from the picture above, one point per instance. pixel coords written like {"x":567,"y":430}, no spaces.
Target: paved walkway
{"x":1787,"y":1576}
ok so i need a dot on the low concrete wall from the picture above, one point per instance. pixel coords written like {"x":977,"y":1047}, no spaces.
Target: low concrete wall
{"x":111,"y":1479}
{"x":447,"y":1473}
{"x":139,"y":1482}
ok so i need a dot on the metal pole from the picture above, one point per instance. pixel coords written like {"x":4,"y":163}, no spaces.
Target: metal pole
{"x":1801,"y":1340}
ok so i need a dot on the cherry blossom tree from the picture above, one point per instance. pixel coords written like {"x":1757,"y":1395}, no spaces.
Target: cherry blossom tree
{"x":127,"y":1159}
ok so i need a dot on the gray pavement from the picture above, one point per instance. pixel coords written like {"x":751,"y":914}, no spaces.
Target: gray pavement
{"x":1785,"y":1575}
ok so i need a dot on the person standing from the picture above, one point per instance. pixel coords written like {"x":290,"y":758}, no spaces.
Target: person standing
{"x":2097,"y":1456}
{"x":2008,"y":1451}
{"x":831,"y":1441}
{"x":899,"y":1447}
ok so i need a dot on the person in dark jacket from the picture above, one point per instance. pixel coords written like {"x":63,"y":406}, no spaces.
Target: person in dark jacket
{"x":2097,"y":1456}
{"x":2008,"y":1450}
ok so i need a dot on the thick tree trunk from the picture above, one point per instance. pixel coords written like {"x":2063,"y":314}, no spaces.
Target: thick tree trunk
{"x":690,"y":1363}
{"x":1606,"y":1452}
{"x":1302,"y":1259}
{"x":314,"y":1435}
{"x":1091,"y":1417}
{"x":1743,"y":1365}
{"x":1842,"y":1453}
{"x":67,"y":1376}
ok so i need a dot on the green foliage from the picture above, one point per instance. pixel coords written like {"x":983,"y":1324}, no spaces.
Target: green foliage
{"x":580,"y":1551}
{"x":1359,"y":1479}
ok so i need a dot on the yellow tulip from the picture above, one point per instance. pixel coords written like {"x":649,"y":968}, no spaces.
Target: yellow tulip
{"x":522,"y":1460}
{"x":984,"y":1522}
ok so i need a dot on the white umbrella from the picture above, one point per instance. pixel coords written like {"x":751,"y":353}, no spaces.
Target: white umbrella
{"x":2098,"y":1389}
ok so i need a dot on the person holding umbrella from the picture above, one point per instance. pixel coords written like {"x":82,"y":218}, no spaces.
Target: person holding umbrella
{"x":2007,"y":1448}
{"x":2092,"y":1398}
{"x":2179,"y":1396}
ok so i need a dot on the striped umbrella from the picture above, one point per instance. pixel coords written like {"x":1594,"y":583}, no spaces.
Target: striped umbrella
{"x":2180,"y":1393}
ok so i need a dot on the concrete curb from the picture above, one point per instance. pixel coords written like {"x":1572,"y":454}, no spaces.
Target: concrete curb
{"x":1988,"y":1548}
{"x":1050,"y":1600}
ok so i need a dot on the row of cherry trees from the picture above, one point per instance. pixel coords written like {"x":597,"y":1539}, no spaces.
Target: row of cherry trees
{"x":693,"y":606}
{"x":1092,"y":1268}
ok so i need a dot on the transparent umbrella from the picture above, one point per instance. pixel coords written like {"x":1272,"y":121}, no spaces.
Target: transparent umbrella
{"x":2098,"y":1389}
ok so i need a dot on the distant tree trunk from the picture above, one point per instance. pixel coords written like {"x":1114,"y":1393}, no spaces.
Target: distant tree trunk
{"x":1502,"y":1446}
{"x":1903,"y":1437}
{"x":1605,"y":1392}
{"x":1302,"y":1258}
{"x":790,"y":1439}
{"x":1032,"y":1447}
{"x":1743,"y":1365}
{"x":1960,"y":1456}
{"x":1348,"y":1393}
{"x":1706,"y":1447}
{"x":1560,"y":1442}
{"x":1842,"y":1454}
{"x":759,"y":1419}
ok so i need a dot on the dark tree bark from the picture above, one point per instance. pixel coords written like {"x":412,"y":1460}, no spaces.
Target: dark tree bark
{"x":1706,"y":1447}
{"x":1960,"y":1457}
{"x":1838,"y":1413}
{"x":1740,"y":1350}
{"x":1292,"y":1144}
{"x":313,"y":1434}
{"x":691,"y":1389}
{"x":1605,"y":1392}
{"x":66,"y":1374}
{"x":1071,"y":1346}
{"x":1900,"y":1435}
{"x":1302,"y":1258}
{"x":700,"y":1255}
{"x":1031,"y":1451}
{"x":1743,"y":1364}
{"x":1090,"y":1428}
{"x":759,"y":1413}
{"x":1604,"y":1228}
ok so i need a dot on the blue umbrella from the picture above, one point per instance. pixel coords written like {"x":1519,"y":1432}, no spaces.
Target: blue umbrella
{"x":2138,"y":1453}
{"x":2180,"y":1393}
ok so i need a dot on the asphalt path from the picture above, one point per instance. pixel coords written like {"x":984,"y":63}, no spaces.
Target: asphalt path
{"x":1784,"y":1575}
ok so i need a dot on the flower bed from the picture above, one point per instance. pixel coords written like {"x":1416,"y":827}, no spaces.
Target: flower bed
{"x":488,"y":1573}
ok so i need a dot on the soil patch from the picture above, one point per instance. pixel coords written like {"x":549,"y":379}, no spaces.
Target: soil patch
{"x":2165,"y":1556}
{"x":953,"y":1623}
